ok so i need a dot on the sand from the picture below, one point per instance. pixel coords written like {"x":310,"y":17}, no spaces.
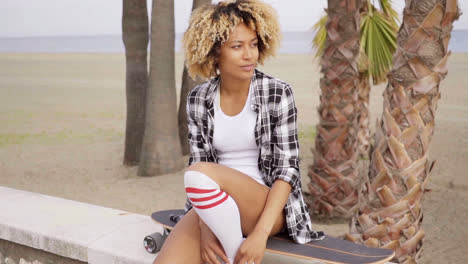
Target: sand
{"x":62,"y":123}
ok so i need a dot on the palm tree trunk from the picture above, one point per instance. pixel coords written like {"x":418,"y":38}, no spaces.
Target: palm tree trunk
{"x":334,"y":177}
{"x":135,"y":38}
{"x":187,"y":84}
{"x":363,"y":135}
{"x":392,"y":215}
{"x":161,"y":152}
{"x":363,"y":118}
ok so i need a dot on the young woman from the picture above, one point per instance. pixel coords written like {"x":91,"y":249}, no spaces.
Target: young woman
{"x":243,"y":177}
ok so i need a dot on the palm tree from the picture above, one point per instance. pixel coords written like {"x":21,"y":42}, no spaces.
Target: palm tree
{"x":377,"y":29}
{"x":187,"y":84}
{"x":135,"y":39}
{"x":161,"y":152}
{"x":391,"y":215}
{"x":333,"y":170}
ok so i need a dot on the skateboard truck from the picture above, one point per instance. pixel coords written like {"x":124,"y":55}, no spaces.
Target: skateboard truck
{"x":153,"y":243}
{"x":318,"y":235}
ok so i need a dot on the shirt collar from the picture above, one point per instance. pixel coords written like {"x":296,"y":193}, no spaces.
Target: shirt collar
{"x":256,"y":97}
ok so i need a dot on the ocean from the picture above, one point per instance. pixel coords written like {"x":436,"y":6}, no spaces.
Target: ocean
{"x":293,"y":42}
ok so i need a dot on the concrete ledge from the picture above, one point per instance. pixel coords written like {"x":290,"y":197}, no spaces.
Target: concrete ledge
{"x":74,"y":230}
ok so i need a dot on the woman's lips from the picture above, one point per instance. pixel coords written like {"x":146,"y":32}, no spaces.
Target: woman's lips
{"x":248,"y":67}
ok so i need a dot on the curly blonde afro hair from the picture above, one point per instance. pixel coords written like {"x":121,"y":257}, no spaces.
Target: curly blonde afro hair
{"x":211,"y":24}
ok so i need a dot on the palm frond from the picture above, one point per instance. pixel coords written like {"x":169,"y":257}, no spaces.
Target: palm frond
{"x":387,"y":9}
{"x":378,"y":42}
{"x":320,"y":35}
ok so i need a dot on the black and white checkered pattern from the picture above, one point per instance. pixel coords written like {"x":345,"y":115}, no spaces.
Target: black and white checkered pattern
{"x":275,"y":133}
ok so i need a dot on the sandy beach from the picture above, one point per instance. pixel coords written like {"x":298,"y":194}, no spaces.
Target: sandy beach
{"x":62,"y":126}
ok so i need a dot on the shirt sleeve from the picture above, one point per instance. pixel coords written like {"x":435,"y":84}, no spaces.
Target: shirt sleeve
{"x":285,"y":141}
{"x":197,"y":152}
{"x":195,"y":138}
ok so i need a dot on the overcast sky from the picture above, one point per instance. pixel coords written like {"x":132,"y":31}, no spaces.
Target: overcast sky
{"x":19,"y":18}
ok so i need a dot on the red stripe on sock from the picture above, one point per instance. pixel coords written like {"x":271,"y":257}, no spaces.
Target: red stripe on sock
{"x":205,"y":198}
{"x":208,"y":206}
{"x":196,"y":190}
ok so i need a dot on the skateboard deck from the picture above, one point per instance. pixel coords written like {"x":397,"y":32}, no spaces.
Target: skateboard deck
{"x":329,"y":249}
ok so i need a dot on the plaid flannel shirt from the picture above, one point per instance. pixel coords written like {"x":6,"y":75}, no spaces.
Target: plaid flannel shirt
{"x":275,"y":133}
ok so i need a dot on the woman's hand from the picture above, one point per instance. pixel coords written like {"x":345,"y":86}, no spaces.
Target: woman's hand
{"x":210,"y":246}
{"x":252,"y":249}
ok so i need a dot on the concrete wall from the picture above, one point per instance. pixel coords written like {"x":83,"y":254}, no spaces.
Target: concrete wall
{"x":16,"y":252}
{"x":58,"y":230}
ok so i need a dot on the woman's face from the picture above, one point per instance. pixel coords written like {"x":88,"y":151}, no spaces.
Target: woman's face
{"x":239,"y":54}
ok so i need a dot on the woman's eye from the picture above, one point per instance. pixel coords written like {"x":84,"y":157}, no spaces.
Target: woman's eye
{"x":255,"y":44}
{"x":236,"y":47}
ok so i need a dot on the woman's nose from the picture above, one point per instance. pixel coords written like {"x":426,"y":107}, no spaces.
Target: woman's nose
{"x":247,"y":53}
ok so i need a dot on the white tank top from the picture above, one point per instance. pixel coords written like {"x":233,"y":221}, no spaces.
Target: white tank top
{"x":234,"y":139}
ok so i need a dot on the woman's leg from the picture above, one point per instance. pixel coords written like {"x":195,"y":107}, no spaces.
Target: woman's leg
{"x":250,"y":198}
{"x":228,"y":201}
{"x":216,"y":209}
{"x":249,"y":195}
{"x":183,"y":244}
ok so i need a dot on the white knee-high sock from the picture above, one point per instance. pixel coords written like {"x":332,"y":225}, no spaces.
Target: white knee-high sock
{"x":217,"y":209}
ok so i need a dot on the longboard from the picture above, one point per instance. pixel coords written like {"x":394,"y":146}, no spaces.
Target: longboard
{"x":329,"y":249}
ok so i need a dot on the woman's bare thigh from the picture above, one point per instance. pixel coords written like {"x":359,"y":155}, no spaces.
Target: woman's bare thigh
{"x":250,"y":196}
{"x":185,"y":237}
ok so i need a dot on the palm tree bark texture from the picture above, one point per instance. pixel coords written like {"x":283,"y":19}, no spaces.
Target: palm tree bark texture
{"x":334,"y":177}
{"x":363,"y":117}
{"x":391,"y":214}
{"x":161,"y":151}
{"x":187,"y":84}
{"x":135,"y":38}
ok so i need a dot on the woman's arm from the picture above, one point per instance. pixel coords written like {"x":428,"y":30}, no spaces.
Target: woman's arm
{"x":285,"y":174}
{"x":275,"y":203}
{"x":285,"y":142}
{"x":285,"y":160}
{"x":197,"y":153}
{"x":254,"y":246}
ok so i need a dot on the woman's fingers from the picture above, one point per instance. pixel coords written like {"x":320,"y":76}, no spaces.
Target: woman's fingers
{"x":212,"y":258}
{"x":246,"y":258}
{"x":218,"y":250}
{"x":258,"y":260}
{"x":207,"y":259}
{"x":241,"y":258}
{"x":204,"y":258}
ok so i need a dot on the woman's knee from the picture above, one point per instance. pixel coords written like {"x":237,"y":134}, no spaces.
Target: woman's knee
{"x":199,"y":166}
{"x":197,"y":177}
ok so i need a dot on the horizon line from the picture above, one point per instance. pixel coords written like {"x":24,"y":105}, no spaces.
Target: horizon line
{"x":120,"y":35}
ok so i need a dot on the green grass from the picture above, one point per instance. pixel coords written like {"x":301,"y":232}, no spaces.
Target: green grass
{"x":307,"y":133}
{"x":16,"y":121}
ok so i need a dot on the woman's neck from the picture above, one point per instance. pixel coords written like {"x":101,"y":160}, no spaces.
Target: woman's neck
{"x":234,"y":87}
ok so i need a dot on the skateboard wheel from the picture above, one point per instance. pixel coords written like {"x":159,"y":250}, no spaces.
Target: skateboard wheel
{"x":153,"y":243}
